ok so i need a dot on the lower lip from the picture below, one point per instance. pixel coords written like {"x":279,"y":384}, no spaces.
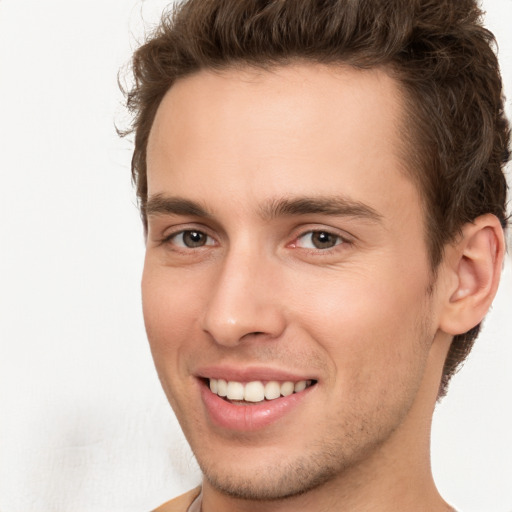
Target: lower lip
{"x":249,"y":417}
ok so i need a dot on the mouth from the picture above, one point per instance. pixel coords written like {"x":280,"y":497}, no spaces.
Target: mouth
{"x":257,"y":391}
{"x":248,"y":404}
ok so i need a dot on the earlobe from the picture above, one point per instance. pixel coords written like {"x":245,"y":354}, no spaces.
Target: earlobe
{"x":475,"y":262}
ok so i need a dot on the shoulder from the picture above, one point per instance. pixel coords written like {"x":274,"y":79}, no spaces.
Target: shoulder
{"x":181,"y":503}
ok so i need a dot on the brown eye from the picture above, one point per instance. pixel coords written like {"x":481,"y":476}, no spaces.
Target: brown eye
{"x":319,"y":240}
{"x":194,"y":238}
{"x":191,"y":239}
{"x":323,"y":240}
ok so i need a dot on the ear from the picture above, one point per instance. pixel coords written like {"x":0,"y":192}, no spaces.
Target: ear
{"x":473,"y":264}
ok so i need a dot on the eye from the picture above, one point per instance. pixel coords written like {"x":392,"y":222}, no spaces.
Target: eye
{"x":318,"y":240}
{"x":190,"y":239}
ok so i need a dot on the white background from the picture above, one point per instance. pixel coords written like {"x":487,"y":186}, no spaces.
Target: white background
{"x":84,"y":425}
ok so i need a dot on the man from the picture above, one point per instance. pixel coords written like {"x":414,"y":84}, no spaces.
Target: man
{"x":322,"y":189}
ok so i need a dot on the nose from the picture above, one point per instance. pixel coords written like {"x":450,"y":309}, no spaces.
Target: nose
{"x":243,"y":301}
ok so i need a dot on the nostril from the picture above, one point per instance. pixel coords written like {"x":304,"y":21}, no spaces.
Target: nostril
{"x":252,"y":334}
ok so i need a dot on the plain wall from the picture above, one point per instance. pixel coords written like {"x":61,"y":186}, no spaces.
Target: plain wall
{"x":84,"y":425}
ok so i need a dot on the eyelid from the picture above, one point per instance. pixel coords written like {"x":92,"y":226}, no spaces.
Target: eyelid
{"x":344,"y":237}
{"x":169,"y":234}
{"x":338,"y":240}
{"x":302,"y":231}
{"x":182,"y":245}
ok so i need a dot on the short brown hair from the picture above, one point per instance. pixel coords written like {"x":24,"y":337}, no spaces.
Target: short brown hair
{"x":457,"y":138}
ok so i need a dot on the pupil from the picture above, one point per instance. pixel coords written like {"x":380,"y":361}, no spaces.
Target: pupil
{"x":193,"y":238}
{"x":323,"y":240}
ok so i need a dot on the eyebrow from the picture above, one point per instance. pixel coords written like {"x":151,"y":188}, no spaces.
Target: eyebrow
{"x":164,"y":205}
{"x":160,"y":204}
{"x":330,"y":205}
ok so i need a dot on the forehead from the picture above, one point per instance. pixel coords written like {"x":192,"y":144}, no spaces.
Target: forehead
{"x":295,"y":130}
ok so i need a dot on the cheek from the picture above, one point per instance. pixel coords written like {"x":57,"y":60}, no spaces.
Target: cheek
{"x":170,"y":315}
{"x":170,"y":309}
{"x":368,"y":327}
{"x":376,"y":344}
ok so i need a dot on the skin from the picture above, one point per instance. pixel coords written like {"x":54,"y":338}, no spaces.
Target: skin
{"x":362,"y":317}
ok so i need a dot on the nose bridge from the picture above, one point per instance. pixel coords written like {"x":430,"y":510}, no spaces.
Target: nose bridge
{"x":243,"y":299}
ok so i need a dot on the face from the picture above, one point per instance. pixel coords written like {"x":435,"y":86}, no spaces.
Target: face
{"x":286,"y":269}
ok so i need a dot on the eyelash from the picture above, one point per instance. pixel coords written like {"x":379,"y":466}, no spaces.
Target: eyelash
{"x":168,"y":239}
{"x":338,"y":239}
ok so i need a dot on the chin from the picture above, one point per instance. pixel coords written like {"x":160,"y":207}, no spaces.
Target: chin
{"x":273,"y":480}
{"x":269,"y":487}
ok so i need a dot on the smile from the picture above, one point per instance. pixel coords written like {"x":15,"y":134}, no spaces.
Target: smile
{"x":248,"y":404}
{"x":256,"y":391}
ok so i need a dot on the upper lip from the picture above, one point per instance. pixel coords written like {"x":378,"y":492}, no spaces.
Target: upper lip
{"x":249,"y":374}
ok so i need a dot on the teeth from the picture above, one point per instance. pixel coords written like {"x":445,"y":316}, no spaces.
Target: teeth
{"x":287,"y":388}
{"x":235,"y":390}
{"x":222,"y":387}
{"x":272,"y":390}
{"x":300,"y":386}
{"x":256,"y":391}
